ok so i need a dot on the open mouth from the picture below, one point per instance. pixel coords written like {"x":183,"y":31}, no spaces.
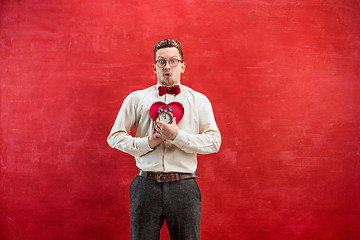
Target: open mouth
{"x":167,"y":74}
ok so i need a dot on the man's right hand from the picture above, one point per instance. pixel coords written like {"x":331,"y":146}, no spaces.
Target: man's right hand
{"x":155,"y":139}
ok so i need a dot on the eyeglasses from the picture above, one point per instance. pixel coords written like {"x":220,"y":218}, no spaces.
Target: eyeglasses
{"x":173,"y":62}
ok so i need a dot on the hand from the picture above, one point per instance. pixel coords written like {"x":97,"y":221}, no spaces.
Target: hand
{"x":167,"y":131}
{"x":155,"y":138}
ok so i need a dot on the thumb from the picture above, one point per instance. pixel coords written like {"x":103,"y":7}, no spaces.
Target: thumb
{"x":174,"y":121}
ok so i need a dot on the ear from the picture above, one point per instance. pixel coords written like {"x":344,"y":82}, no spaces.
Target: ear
{"x":154,"y":68}
{"x":183,"y":66}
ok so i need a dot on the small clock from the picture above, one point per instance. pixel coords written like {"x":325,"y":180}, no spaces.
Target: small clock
{"x":165,"y":114}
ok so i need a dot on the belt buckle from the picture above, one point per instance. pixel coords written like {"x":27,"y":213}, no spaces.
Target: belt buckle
{"x":158,"y":175}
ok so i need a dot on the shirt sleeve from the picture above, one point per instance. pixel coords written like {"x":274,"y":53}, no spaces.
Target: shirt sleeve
{"x":120,"y":137}
{"x":207,"y":140}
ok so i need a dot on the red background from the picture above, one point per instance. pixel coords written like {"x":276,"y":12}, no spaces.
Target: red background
{"x":283,"y":77}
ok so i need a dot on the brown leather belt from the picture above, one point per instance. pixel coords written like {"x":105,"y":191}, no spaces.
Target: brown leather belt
{"x":167,"y":177}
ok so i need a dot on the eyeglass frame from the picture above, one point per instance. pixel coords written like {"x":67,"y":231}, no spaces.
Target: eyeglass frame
{"x":168,"y":61}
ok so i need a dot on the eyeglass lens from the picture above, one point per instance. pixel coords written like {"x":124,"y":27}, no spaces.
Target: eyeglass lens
{"x":162,"y":62}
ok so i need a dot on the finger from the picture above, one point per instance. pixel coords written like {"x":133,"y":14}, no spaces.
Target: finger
{"x":173,"y":121}
{"x":159,"y":135}
{"x":160,"y":124}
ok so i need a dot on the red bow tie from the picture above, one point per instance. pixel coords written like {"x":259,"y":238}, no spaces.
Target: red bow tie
{"x":172,"y":90}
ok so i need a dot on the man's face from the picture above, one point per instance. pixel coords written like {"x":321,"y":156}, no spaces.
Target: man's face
{"x":168,"y":76}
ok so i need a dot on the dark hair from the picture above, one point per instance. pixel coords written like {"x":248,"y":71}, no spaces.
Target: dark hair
{"x":166,"y":43}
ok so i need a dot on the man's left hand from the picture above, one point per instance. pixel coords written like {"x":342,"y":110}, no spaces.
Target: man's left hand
{"x":169,"y":131}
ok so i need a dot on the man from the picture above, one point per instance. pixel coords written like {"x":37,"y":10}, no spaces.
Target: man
{"x":165,"y":153}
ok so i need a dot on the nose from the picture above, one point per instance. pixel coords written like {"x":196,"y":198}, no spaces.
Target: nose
{"x":166,"y":65}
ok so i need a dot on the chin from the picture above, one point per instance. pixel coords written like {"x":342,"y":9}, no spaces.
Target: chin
{"x":168,"y":83}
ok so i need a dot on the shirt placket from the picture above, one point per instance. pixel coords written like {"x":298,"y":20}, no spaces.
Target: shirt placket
{"x":168,"y":99}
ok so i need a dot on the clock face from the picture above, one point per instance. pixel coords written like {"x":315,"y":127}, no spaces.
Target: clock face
{"x":165,"y":117}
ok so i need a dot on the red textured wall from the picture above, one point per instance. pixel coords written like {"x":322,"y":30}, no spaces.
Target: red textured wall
{"x":284,"y":80}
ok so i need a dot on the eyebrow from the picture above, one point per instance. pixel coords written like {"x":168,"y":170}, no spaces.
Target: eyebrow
{"x":170,"y":57}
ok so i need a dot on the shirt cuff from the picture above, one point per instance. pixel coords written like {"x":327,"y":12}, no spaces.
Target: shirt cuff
{"x":143,"y":145}
{"x":181,"y":139}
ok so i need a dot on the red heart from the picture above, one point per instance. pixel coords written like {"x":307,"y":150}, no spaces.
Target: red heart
{"x":178,"y":110}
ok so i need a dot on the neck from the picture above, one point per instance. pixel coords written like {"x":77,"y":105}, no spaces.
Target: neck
{"x":160,"y":84}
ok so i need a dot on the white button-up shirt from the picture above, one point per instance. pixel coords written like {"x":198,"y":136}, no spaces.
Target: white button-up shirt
{"x":198,"y":132}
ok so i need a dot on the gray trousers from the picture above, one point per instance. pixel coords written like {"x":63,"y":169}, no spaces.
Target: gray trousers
{"x":152,"y":202}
